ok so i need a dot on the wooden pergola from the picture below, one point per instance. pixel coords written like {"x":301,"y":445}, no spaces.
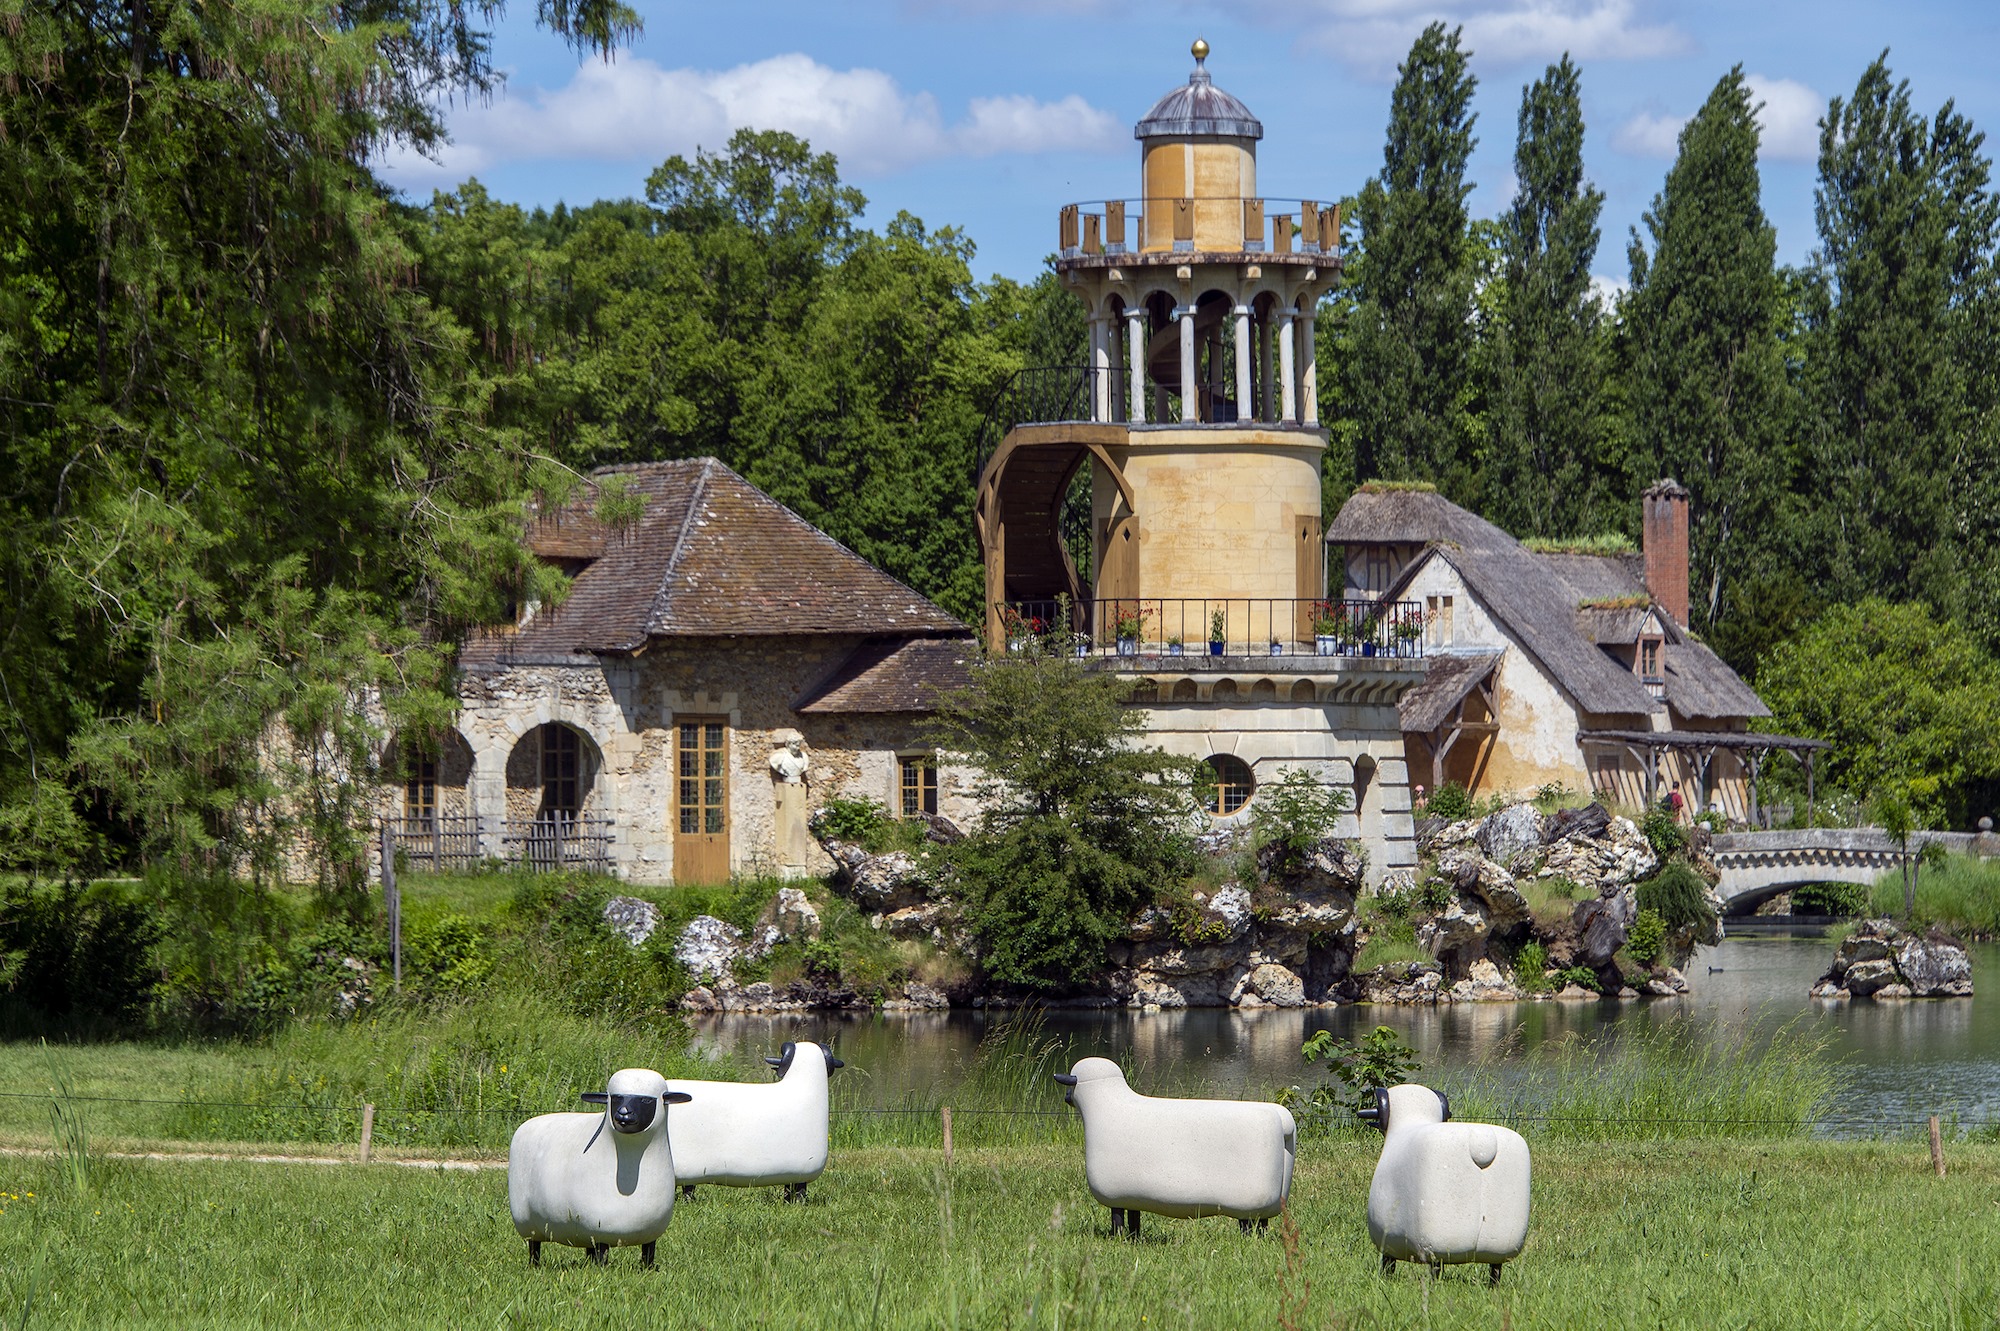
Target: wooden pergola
{"x":1755,"y":750}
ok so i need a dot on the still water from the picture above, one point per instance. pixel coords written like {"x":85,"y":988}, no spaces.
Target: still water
{"x":1903,"y":1060}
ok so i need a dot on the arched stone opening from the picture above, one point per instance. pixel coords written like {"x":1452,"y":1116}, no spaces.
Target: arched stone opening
{"x":1368,"y":810}
{"x":552,"y":774}
{"x":1185,"y":691}
{"x":1264,"y":690}
{"x":1303,"y":691}
{"x":429,"y":777}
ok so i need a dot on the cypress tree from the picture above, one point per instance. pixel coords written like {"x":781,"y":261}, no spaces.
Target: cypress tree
{"x":1405,"y":380}
{"x":1705,"y":371}
{"x":1541,"y":475}
{"x":1907,"y":229}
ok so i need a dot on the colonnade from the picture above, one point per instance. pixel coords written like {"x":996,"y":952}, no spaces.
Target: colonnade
{"x":1276,"y":367}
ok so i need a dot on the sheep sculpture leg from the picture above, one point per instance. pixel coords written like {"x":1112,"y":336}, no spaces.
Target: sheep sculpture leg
{"x":1388,"y":1265}
{"x":1493,"y":1274}
{"x":600,"y":1253}
{"x":687,"y":1192}
{"x":1124,"y":1222}
{"x":534,"y":1252}
{"x":795,"y":1192}
{"x":646,"y":1253}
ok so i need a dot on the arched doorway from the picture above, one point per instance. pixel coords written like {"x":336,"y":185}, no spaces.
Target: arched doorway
{"x":428,"y":800}
{"x":552,"y":785}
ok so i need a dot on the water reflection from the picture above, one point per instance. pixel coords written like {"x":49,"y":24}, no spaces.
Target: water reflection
{"x":1905,"y":1059}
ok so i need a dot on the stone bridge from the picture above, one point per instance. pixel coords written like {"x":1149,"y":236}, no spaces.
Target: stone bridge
{"x":1759,"y":865}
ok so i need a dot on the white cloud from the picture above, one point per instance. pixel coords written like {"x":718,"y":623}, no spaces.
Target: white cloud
{"x":633,"y":110}
{"x":1608,"y":289}
{"x":1788,"y":115}
{"x":1647,"y":135}
{"x":1374,"y":35}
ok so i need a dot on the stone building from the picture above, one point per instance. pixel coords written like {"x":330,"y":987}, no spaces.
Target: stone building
{"x":719,"y":668}
{"x":1196,"y":423}
{"x":1553,"y":667}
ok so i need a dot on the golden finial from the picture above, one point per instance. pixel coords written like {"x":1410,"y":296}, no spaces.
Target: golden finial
{"x":1200,"y":50}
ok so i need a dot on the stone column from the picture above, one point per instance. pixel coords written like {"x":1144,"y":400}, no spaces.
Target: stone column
{"x":1190,"y":386}
{"x":790,"y":771}
{"x":1308,"y":372}
{"x":1135,"y":359}
{"x":1245,"y":408}
{"x":1287,"y":375}
{"x":1264,"y":412}
{"x":1100,"y":364}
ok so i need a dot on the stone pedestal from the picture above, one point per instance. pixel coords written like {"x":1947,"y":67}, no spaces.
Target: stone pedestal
{"x":793,"y":840}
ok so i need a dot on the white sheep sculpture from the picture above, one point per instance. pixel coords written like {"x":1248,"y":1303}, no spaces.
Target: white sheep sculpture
{"x":1179,"y":1158}
{"x":1445,"y":1192}
{"x":597,"y":1181}
{"x":746,"y":1135}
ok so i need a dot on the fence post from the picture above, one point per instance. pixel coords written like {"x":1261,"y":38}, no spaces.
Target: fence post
{"x":945,"y":1114}
{"x":1937,"y":1148}
{"x":392,"y":903}
{"x":367,"y":1130}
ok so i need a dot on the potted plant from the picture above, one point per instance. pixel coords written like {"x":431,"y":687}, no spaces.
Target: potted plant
{"x":1174,"y":645}
{"x":1020,"y":627}
{"x":1326,"y":628}
{"x":1128,"y":624}
{"x":1218,"y":632}
{"x":1408,"y":629}
{"x":1369,"y":630}
{"x":1277,"y":648}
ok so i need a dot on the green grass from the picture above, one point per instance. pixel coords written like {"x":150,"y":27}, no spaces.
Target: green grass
{"x":1961,"y":896}
{"x":1680,"y":1235}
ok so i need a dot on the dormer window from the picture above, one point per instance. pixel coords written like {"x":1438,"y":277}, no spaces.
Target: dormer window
{"x":1651,"y":662}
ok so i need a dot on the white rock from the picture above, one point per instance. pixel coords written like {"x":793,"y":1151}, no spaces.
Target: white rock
{"x":631,"y":918}
{"x":708,"y":946}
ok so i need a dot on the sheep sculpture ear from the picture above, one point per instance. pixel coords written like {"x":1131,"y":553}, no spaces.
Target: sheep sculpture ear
{"x":1444,"y":1103}
{"x":677,"y":1097}
{"x":1377,"y":1117}
{"x":597,"y":1097}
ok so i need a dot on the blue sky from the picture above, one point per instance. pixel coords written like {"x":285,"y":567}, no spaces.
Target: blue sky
{"x":989,"y":114}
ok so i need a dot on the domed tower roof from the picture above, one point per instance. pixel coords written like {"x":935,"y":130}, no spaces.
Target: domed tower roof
{"x":1199,"y":108}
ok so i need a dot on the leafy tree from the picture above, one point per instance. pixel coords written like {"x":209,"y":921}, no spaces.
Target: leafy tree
{"x":1082,"y":821}
{"x":1543,"y":469}
{"x":1403,"y":384}
{"x":1705,"y":374}
{"x":1902,"y":429}
{"x":1910,"y":702}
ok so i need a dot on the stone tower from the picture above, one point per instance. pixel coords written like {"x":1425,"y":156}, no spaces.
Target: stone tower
{"x":1201,"y":293}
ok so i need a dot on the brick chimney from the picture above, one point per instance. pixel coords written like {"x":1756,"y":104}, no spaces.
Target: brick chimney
{"x":1665,"y":525}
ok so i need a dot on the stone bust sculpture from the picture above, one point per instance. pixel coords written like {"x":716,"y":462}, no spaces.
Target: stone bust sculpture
{"x":789,"y":764}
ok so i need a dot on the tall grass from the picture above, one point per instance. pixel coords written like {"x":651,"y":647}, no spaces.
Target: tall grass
{"x":1004,"y":1094}
{"x":1674,"y":1080}
{"x":1960,"y":896}
{"x":72,"y":1143}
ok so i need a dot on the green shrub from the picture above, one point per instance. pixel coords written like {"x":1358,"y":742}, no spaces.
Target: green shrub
{"x":71,"y":951}
{"x":869,"y":825}
{"x":1296,"y":813}
{"x":1663,"y":832}
{"x":1678,"y":896}
{"x":1378,"y":1059}
{"x":1646,"y":937}
{"x":447,"y":955}
{"x":1450,"y":802}
{"x":1531,"y":965}
{"x":1583,"y":977}
{"x":1841,"y":899}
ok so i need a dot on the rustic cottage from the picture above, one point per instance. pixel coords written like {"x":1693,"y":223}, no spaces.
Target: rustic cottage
{"x":719,"y":669}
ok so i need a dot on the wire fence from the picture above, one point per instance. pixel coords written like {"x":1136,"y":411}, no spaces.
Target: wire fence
{"x":1835,"y":1125}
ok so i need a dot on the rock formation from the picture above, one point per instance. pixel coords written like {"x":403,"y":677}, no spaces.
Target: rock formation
{"x":1879,"y":960}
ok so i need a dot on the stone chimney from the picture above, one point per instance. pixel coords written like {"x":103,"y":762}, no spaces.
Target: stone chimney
{"x":1665,"y":526}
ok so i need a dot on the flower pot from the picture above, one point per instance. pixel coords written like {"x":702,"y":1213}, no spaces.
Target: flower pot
{"x":1368,"y":649}
{"x":1277,"y":649}
{"x":1017,"y":644}
{"x":1214,"y":647}
{"x":1083,"y":647}
{"x":1128,"y":646}
{"x":1175,"y":649}
{"x":1325,"y":644}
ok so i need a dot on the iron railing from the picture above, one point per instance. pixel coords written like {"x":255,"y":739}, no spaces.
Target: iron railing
{"x":1187,"y":630}
{"x":559,"y":841}
{"x":1169,"y":224}
{"x":1039,"y":395}
{"x":437,"y":842}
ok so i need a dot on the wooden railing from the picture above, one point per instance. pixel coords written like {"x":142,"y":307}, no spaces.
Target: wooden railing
{"x":559,"y":841}
{"x":437,"y":843}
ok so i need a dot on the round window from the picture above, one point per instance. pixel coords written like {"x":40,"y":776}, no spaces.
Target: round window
{"x":1234,"y":784}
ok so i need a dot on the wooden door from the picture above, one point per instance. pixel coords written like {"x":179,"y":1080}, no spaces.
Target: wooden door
{"x":701,"y":839}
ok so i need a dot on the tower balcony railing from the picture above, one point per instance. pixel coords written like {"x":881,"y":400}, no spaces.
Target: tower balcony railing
{"x":1171,"y":224}
{"x":1165,"y":632}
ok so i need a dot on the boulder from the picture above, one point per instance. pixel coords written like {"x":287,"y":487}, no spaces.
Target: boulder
{"x":1229,"y":905}
{"x":1603,"y":923}
{"x":788,"y":916}
{"x":631,"y":918}
{"x":1514,"y":831}
{"x":1589,"y":822}
{"x":1576,"y":993}
{"x":918,"y":994}
{"x":1484,"y":983}
{"x":924,"y":922}
{"x":1505,"y":906}
{"x":1398,"y":982}
{"x":1332,"y":865}
{"x":1865,"y":977}
{"x":708,"y":946}
{"x":1459,"y":931}
{"x":880,"y":882}
{"x":1274,"y":984}
{"x":1619,"y":855}
{"x":1935,"y":967}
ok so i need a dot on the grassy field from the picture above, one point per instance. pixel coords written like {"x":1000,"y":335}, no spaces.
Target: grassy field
{"x":1791,"y":1234}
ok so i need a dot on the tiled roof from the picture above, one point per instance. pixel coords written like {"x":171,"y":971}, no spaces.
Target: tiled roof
{"x":1447,"y":679}
{"x":892,"y":675}
{"x":709,"y":555}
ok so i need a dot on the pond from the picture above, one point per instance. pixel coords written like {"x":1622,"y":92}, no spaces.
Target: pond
{"x":1904,"y":1060}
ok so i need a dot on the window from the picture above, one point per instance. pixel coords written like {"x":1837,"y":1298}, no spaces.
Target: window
{"x":919,"y":784}
{"x":1381,"y":569}
{"x":1234,"y":784}
{"x":420,"y":794}
{"x":1437,"y":620}
{"x":562,"y":768}
{"x":1649,"y":658}
{"x":702,"y":781}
